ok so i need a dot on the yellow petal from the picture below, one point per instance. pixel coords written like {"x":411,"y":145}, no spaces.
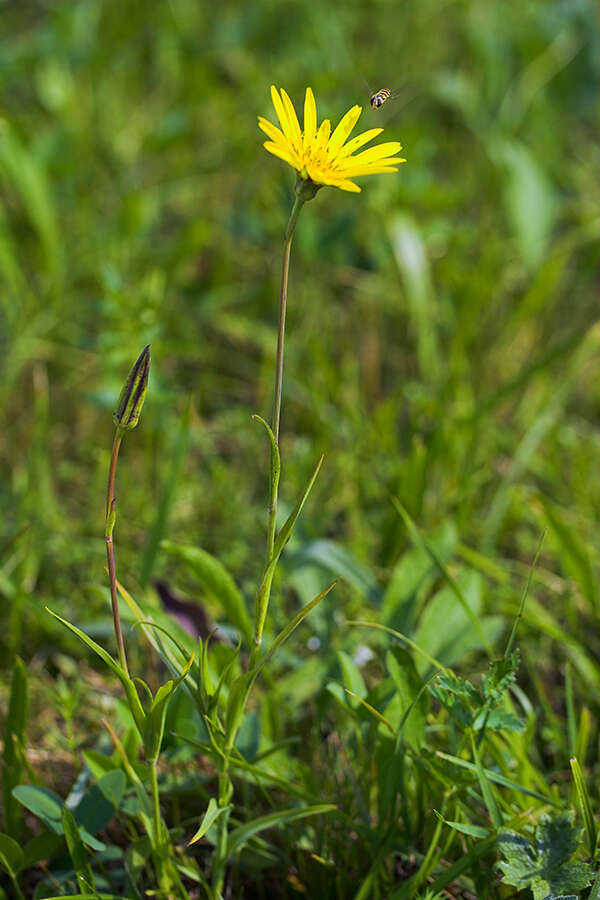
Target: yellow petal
{"x":351,"y":168}
{"x":378,"y":152}
{"x":358,"y":173}
{"x":349,"y":186}
{"x":359,"y":141}
{"x":286,"y":155}
{"x":271,"y":130}
{"x":323,"y":135}
{"x":281,"y":113}
{"x":292,"y":119}
{"x":346,"y":125}
{"x":310,"y":119}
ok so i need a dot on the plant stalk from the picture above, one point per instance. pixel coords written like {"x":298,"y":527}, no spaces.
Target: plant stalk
{"x":261,"y":612}
{"x":110,"y":552}
{"x":219,"y":865}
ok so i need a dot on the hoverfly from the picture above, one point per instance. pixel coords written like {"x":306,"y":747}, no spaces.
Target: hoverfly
{"x":379,"y":97}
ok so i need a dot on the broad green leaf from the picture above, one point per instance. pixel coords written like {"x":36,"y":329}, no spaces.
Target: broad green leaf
{"x":173,"y":467}
{"x":415,"y":569}
{"x":98,"y":763}
{"x":411,"y":257}
{"x":43,"y":846}
{"x":336,"y":559}
{"x":238,"y":837}
{"x":77,"y":852}
{"x":211,"y":815}
{"x":544,"y":865}
{"x":26,"y":172}
{"x":573,"y":552}
{"x":11,"y":855}
{"x":99,"y":804}
{"x":454,"y":587}
{"x":43,"y":803}
{"x":216,"y":580}
{"x":529,"y":197}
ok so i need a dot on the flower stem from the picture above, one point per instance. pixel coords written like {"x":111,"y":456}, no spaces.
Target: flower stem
{"x":110,"y":553}
{"x":155,"y":805}
{"x":287,"y":247}
{"x":261,"y":611}
{"x":276,"y":418}
{"x":219,"y":861}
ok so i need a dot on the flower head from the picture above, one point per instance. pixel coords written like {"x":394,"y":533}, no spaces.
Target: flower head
{"x":321,"y":156}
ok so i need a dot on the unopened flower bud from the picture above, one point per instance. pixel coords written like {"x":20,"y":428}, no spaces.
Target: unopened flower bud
{"x":132,"y":397}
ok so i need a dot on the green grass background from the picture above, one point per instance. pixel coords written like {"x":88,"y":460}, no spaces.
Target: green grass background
{"x":443,"y":340}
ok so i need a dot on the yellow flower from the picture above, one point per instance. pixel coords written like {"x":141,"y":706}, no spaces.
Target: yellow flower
{"x":321,"y":156}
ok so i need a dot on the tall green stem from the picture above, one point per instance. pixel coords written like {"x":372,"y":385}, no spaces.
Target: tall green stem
{"x":110,"y":552}
{"x":264,"y":588}
{"x":157,"y":823}
{"x":276,"y":418}
{"x":219,"y":861}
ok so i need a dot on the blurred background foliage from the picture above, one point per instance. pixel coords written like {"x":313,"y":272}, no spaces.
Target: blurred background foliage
{"x":442,"y":345}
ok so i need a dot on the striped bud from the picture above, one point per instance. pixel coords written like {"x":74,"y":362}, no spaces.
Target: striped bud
{"x":132,"y":397}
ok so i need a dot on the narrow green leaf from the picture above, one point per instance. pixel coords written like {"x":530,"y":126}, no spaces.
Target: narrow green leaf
{"x":497,"y":778}
{"x":154,"y":725}
{"x":210,"y":817}
{"x":11,"y":855}
{"x":214,"y":578}
{"x":128,"y":685}
{"x":236,"y":705}
{"x":286,"y":632}
{"x":401,"y":637}
{"x":288,"y":526}
{"x":486,"y":788}
{"x":585,"y":807}
{"x":409,"y":691}
{"x":264,"y":588}
{"x":472,"y":830}
{"x":240,"y":690}
{"x":93,"y":896}
{"x":371,"y":709}
{"x":77,"y":852}
{"x":524,"y":595}
{"x":239,"y":836}
{"x":275,"y":466}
